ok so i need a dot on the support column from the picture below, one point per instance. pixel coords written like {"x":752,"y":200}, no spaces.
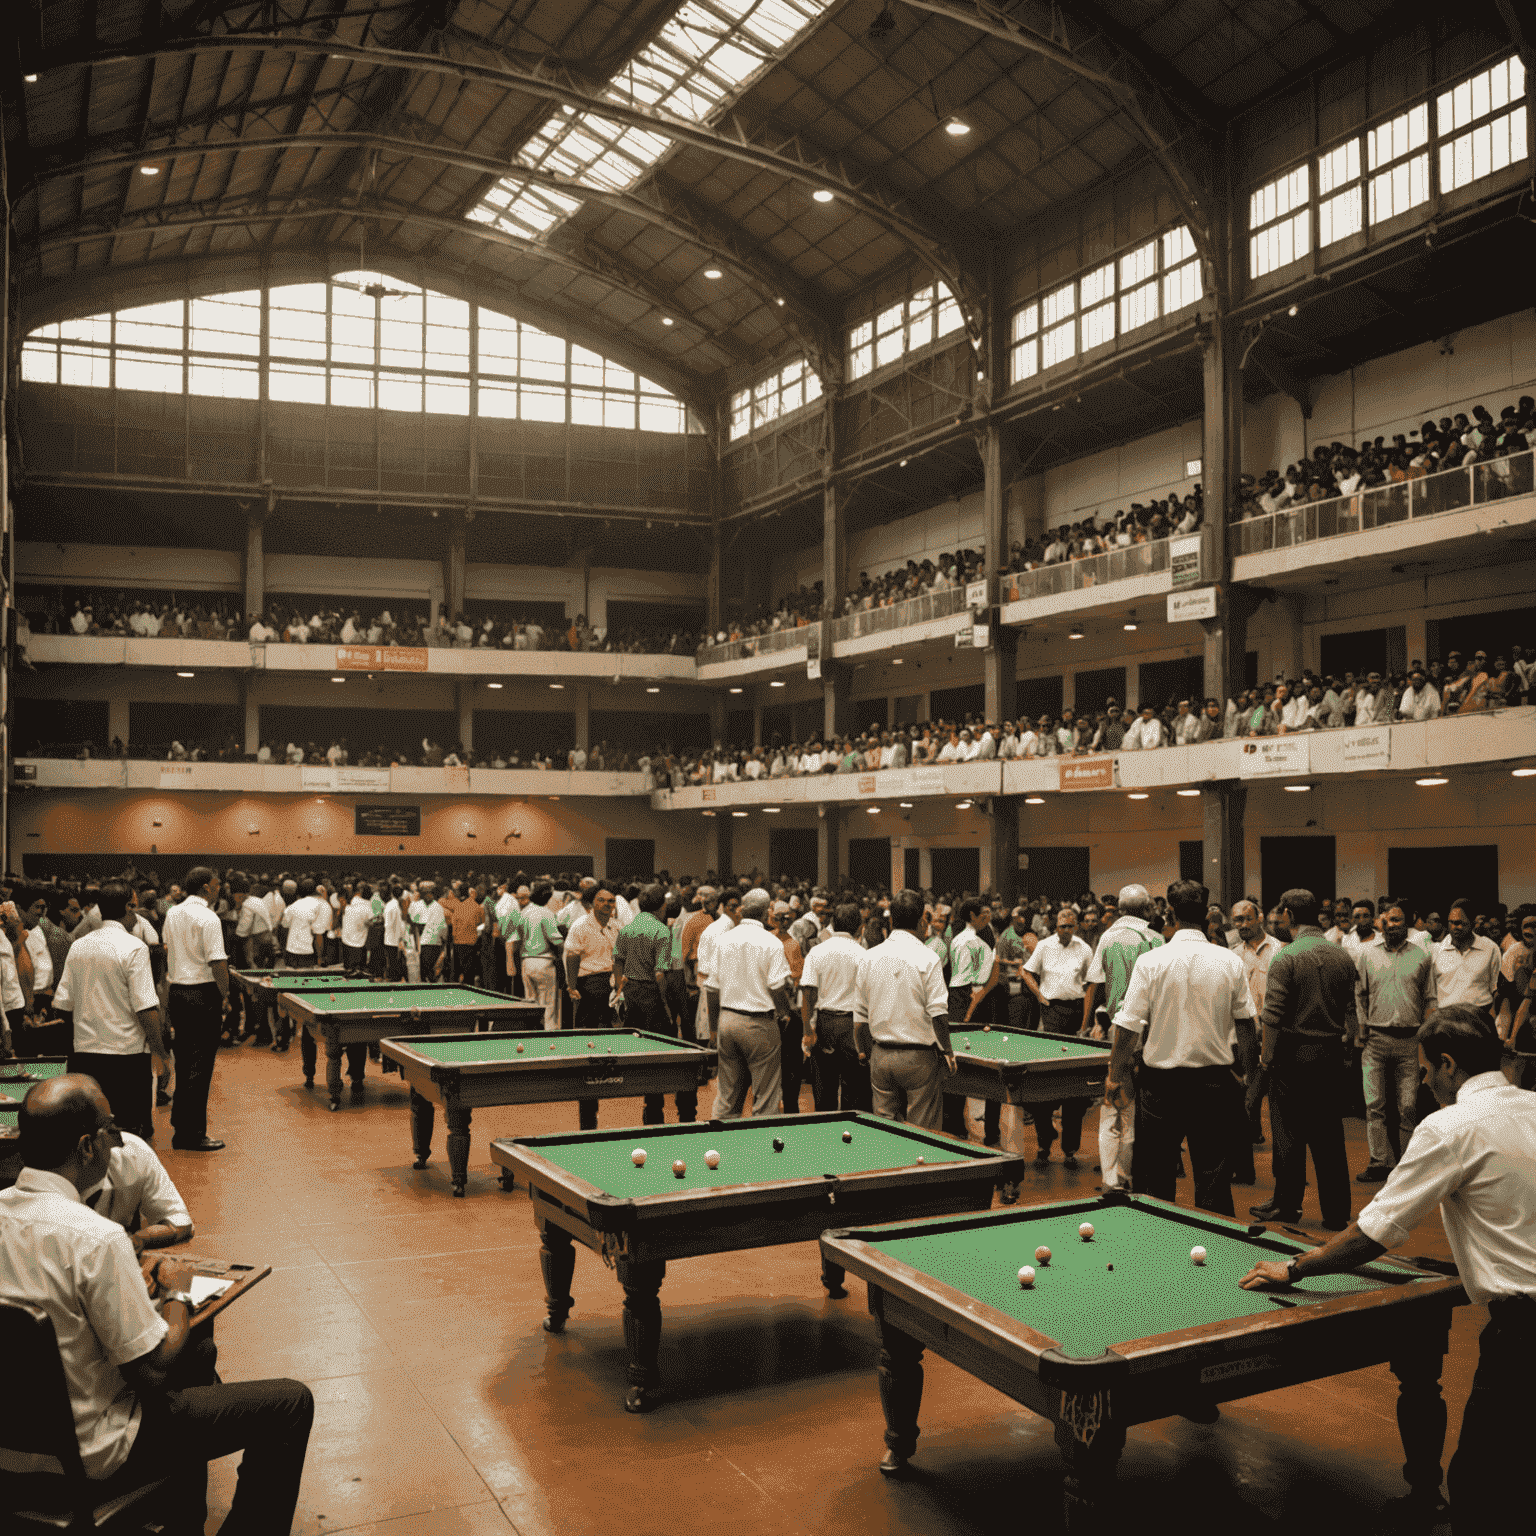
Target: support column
{"x":453,"y":570}
{"x":584,"y":719}
{"x":714,"y":606}
{"x":828,"y":856}
{"x":1005,"y":847}
{"x":717,"y":718}
{"x":1000,"y":662}
{"x":1223,"y":804}
{"x":836,"y":694}
{"x":757,"y":722}
{"x":117,"y":721}
{"x":248,"y":705}
{"x":255,"y":560}
{"x":724,"y":851}
{"x":464,"y":699}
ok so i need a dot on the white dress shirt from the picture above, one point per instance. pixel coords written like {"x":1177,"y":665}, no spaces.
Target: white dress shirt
{"x":255,"y":918}
{"x":194,"y":941}
{"x":276,"y":906}
{"x":306,"y":918}
{"x":1183,"y":1000}
{"x":1467,"y":978}
{"x":1473,"y":1158}
{"x":42,"y":961}
{"x":1143,"y":735}
{"x":832,"y":967}
{"x":80,"y":1268}
{"x":394,"y":924}
{"x":1256,"y":958}
{"x":748,"y":965}
{"x":137,"y":1191}
{"x":594,"y":943}
{"x":1061,"y":968}
{"x":11,"y":995}
{"x":704,"y":958}
{"x":355,"y":918}
{"x":1351,"y":942}
{"x":900,"y":991}
{"x":106,"y":985}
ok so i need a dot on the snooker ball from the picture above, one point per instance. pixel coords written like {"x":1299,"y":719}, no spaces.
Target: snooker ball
{"x":551,"y":1047}
{"x":1197,"y":1255}
{"x":986,"y":1029}
{"x":1109,"y":1266}
{"x":778,"y":1143}
{"x":1042,"y":1255}
{"x":847,"y":1135}
{"x":333,"y":997}
{"x":679,"y":1168}
{"x":1026,"y":1277}
{"x":519,"y":1050}
{"x":920,"y":1159}
{"x":711,"y":1159}
{"x":637,"y":1157}
{"x":589,"y":1045}
{"x":1086,"y":1231}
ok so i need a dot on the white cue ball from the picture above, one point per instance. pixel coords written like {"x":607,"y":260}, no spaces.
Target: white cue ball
{"x":1085,"y":1231}
{"x":1026,"y":1277}
{"x":637,"y":1157}
{"x":679,"y":1168}
{"x":1197,"y":1255}
{"x":1042,"y":1255}
{"x":919,"y":1159}
{"x":711,"y":1159}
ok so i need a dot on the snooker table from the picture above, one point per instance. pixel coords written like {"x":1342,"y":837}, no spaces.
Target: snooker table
{"x":363,"y":1014}
{"x":16,"y":1078}
{"x":468,"y":1072}
{"x":1026,"y":1066}
{"x":1125,"y":1328}
{"x":585,"y":1188}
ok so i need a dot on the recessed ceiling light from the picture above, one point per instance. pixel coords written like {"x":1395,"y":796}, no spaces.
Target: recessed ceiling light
{"x":905,"y":805}
{"x":30,"y":79}
{"x":738,"y":813}
{"x":1129,"y":626}
{"x":1034,"y":799}
{"x":553,"y":797}
{"x":898,"y":661}
{"x":1075,"y":633}
{"x":1139,"y":795}
{"x":772,"y":810}
{"x":873,"y":810}
{"x":666,"y":319}
{"x":1293,"y":310}
{"x":821,"y":195}
{"x":149,"y":170}
{"x":962,"y":805}
{"x":568,"y":109}
{"x":186,"y":674}
{"x":653,"y":690}
{"x":903,"y":464}
{"x":1432,"y":780}
{"x":1189,"y":792}
{"x":776,"y":683}
{"x":956,"y":129}
{"x":779,"y":302}
{"x":1523,"y":773}
{"x":707,"y":813}
{"x":493,"y":685}
{"x":1298,"y":789}
{"x":735,"y":690}
{"x":713,"y":273}
{"x":557,"y":686}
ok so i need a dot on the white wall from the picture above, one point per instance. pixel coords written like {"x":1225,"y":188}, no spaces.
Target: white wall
{"x":1105,"y":483}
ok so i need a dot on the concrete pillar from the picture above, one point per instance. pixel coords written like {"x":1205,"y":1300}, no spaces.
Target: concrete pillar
{"x":724,"y":852}
{"x":836,"y":693}
{"x":925,"y":867}
{"x":117,"y":719}
{"x":252,"y":715}
{"x":757,"y":723}
{"x":453,"y":569}
{"x":1223,"y":804}
{"x":1417,"y":638}
{"x":584,"y":719}
{"x":1000,"y":661}
{"x":1005,"y":848}
{"x":834,"y":551}
{"x":717,"y":711}
{"x":464,"y":698}
{"x":828,"y":849}
{"x":714,"y":606}
{"x":255,"y":568}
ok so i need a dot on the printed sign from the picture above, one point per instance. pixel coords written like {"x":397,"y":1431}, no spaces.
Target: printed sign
{"x":1270,"y":757}
{"x":1200,"y":603}
{"x":1086,"y":772}
{"x":1367,"y":749}
{"x":976,"y":594}
{"x":386,"y":821}
{"x":1184,"y":560}
{"x":381,"y":658}
{"x":176,"y":776}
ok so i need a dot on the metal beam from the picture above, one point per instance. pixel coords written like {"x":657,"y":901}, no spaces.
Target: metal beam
{"x":763,"y":146}
{"x":1159,"y":72}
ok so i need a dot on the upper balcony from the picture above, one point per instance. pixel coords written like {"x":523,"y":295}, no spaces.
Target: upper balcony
{"x":1119,"y":576}
{"x":753,"y":654}
{"x":930,"y":617}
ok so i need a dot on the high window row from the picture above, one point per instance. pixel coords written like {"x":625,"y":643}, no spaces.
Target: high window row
{"x":1475,"y":129}
{"x":926,"y":316}
{"x":794,"y":385}
{"x":359,"y":340}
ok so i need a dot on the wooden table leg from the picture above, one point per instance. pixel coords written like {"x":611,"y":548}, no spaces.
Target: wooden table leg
{"x":557,"y":1260}
{"x":900,"y":1374}
{"x":1090,"y":1443}
{"x":642,"y":1329}
{"x":333,"y":1070}
{"x":306,"y":1054}
{"x":832,"y":1276}
{"x":423,"y":1115}
{"x":1421,"y":1421}
{"x":457,"y":1117}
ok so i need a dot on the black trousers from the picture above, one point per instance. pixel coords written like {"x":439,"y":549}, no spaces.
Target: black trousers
{"x":429,"y":958}
{"x":791,"y":1062}
{"x":1072,"y":1112}
{"x":129,"y":1084}
{"x":394,"y":965}
{"x":466,"y":963}
{"x":836,"y":1071}
{"x":675,"y":993}
{"x":196,"y":1016}
{"x":648,"y":1010}
{"x":1305,"y":1114}
{"x":353,"y":956}
{"x":183,"y":1430}
{"x":592,"y":1012}
{"x":1064,"y":1016}
{"x":1178,"y":1103}
{"x":1489,"y":1478}
{"x":953,"y":1122}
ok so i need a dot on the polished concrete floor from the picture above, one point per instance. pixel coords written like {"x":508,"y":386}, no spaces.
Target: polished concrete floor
{"x":445,"y":1410}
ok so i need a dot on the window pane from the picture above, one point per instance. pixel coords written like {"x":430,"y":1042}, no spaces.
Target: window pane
{"x":1024,"y":360}
{"x":448,"y":397}
{"x":1139,"y":265}
{"x":498,"y":343}
{"x":541,"y":403}
{"x":92,"y":328}
{"x":1138,"y":307}
{"x":400,"y":391}
{"x":40,"y":363}
{"x":140,"y":370}
{"x":619,"y":411}
{"x":229,"y":323}
{"x":1026,"y":321}
{"x":543,"y":357}
{"x":498,"y":400}
{"x":1058,"y":345}
{"x":1056,"y":305}
{"x":152,"y":325}
{"x":305,"y":385}
{"x":1178,"y":245}
{"x":888,"y":320}
{"x":351,"y":387}
{"x":1340,"y":216}
{"x":296,"y":321}
{"x":229,"y":381}
{"x":1099,"y":326}
{"x":1098,"y":286}
{"x":587,"y":407}
{"x":950,"y":318}
{"x":1181,"y":287}
{"x":861,"y":361}
{"x":661,"y":415}
{"x":888,"y":348}
{"x":920,"y":329}
{"x":85,"y":366}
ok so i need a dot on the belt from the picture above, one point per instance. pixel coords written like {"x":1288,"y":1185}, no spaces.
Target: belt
{"x":748,"y":1013}
{"x":1394,"y":1029}
{"x":906,"y":1045}
{"x":834,"y":1013}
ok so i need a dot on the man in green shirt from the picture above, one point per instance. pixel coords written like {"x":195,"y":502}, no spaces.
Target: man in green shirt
{"x":1015,"y":944}
{"x":641,"y":955}
{"x":534,"y":940}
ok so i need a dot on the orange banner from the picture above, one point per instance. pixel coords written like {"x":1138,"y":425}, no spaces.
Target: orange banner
{"x":1086,"y":772}
{"x":381,"y":658}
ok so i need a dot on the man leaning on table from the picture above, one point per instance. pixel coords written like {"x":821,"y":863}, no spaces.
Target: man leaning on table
{"x":140,"y":1411}
{"x":1476,"y":1159}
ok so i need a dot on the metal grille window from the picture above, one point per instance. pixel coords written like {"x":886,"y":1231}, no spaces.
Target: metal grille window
{"x":928,"y":315}
{"x":1181,"y":271}
{"x":796,"y":384}
{"x":1060,"y":339}
{"x":1280,"y":223}
{"x":1097,"y":293}
{"x":1341,"y":201}
{"x":1024,"y":345}
{"x":1398,"y":160}
{"x":1138,"y":287}
{"x":1481,"y":125}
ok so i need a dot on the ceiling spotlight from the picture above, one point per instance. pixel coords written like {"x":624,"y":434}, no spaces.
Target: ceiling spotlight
{"x":873,"y":810}
{"x":962,"y":805}
{"x":1523,"y":773}
{"x":713,"y":273}
{"x":821,"y":195}
{"x":1138,"y":795}
{"x":956,"y":129}
{"x":1293,"y":311}
{"x":1187,"y":793}
{"x":897,"y":661}
{"x":666,"y":319}
{"x":735,"y":690}
{"x":493,"y":685}
{"x":338,"y":679}
{"x":777,"y":683}
{"x":149,"y":170}
{"x":772,"y":810}
{"x":1130,"y":623}
{"x":30,"y":79}
{"x":557,"y":686}
{"x":903,"y":464}
{"x":779,"y":302}
{"x":1298,"y":789}
{"x":1075,"y":633}
{"x":1432,"y":780}
{"x":1034,"y":799}
{"x":739,"y":814}
{"x":905,"y":805}
{"x":707,"y":813}
{"x":653,"y":690}
{"x":186,"y":674}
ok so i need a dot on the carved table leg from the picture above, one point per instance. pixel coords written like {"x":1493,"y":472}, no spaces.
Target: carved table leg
{"x":900,"y":1374}
{"x":333,"y":1070}
{"x":1090,"y":1443}
{"x":423,"y":1115}
{"x":458,"y":1144}
{"x":642,"y":1328}
{"x":557,"y":1260}
{"x":832,"y":1277}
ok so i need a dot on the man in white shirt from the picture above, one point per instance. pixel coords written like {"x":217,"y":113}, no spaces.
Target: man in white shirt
{"x":1420,"y":700}
{"x":588,"y":962}
{"x":145,"y":1400}
{"x":394,"y":936}
{"x":277,"y":901}
{"x":356,"y":917}
{"x":1057,"y":973}
{"x":1466,"y":964}
{"x":107,"y":994}
{"x":1476,"y":1159}
{"x":1188,"y":1007}
{"x":137,"y":1193}
{"x":704,"y":956}
{"x":1145,"y":733}
{"x":198,"y":971}
{"x":826,"y":1008}
{"x":304,"y":921}
{"x":1255,"y":948}
{"x":901,"y":1020}
{"x":748,"y":992}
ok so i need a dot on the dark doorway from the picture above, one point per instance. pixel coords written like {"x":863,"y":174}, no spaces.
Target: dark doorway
{"x":1286,"y":863}
{"x":63,"y":724}
{"x":909,"y":708}
{"x":642,"y":730}
{"x":869,"y":861}
{"x":792,"y":853}
{"x":777,"y":720}
{"x":522,"y":731}
{"x":912,"y":869}
{"x":738,"y":727}
{"x":1059,"y":873}
{"x":630,"y":858}
{"x":869,"y":712}
{"x":956,"y":871}
{"x":1365,"y":650}
{"x":153,"y":727}
{"x":653,"y":618}
{"x":1432,"y":878}
{"x":1165,"y":682}
{"x":1038,"y":696}
{"x":1473,"y":632}
{"x":957,"y":703}
{"x":1192,"y":861}
{"x":1091,"y":691}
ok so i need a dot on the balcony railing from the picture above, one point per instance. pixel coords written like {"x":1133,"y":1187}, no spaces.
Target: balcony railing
{"x":915,"y":610}
{"x":1094,"y":571}
{"x":755,"y":645}
{"x":1452,"y":490}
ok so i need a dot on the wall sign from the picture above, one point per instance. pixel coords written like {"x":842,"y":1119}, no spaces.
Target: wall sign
{"x":386,"y":821}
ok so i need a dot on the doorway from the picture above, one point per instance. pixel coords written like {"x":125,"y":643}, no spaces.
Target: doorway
{"x":869,"y":861}
{"x":956,"y":871}
{"x":1290,"y":863}
{"x":1430,"y":879}
{"x":792,"y":853}
{"x":1058,"y":873}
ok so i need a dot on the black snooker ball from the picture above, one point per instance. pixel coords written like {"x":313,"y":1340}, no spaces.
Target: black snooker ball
{"x":847,"y":1135}
{"x":778,"y":1143}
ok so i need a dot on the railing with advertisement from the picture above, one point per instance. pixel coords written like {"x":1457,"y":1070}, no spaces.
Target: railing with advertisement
{"x":914,"y":610}
{"x":754,"y":645}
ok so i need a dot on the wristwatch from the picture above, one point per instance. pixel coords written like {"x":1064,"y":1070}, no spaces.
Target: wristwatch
{"x":1290,"y":1270}
{"x":182,"y":1297}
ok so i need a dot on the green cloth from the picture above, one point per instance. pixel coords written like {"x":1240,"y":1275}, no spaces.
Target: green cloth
{"x":382,"y":998}
{"x":675,"y":949}
{"x":1078,"y":1300}
{"x":642,"y":948}
{"x":540,"y":1046}
{"x":376,"y":906}
{"x":1020,"y":1045}
{"x":538,"y":928}
{"x":935,"y":942}
{"x":1125,"y":941}
{"x":434,"y":925}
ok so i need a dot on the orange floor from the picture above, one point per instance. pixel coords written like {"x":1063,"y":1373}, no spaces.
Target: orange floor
{"x":445,"y":1410}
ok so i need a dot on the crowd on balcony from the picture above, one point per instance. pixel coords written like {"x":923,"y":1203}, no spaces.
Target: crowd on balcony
{"x":1451,"y":442}
{"x":1144,"y":523}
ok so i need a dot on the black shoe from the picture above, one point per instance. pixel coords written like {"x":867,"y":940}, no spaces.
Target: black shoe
{"x":207,"y":1144}
{"x":162,"y":1098}
{"x":1373,"y":1173}
{"x":1069,"y":1160}
{"x":1272,"y":1212}
{"x":1333,"y":1226}
{"x":1043,"y":1156}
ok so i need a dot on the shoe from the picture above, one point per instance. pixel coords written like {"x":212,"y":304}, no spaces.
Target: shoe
{"x":1333,"y":1226}
{"x":1373,"y":1173}
{"x":162,"y":1098}
{"x":207,"y":1144}
{"x":1069,"y":1160}
{"x":1269,"y":1211}
{"x":1043,"y":1156}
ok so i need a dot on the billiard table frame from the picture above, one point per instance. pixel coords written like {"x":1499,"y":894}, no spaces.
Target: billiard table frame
{"x":10,"y":1138}
{"x":637,"y":1237}
{"x":1027,"y":1083}
{"x":367,"y":1026}
{"x":1092,"y":1402}
{"x":675,"y":1066}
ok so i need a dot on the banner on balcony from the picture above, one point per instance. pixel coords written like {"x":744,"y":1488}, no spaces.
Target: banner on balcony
{"x":456,"y":779}
{"x":1086,"y":772}
{"x":1196,"y":603}
{"x":381,"y":658}
{"x":345,"y":780}
{"x":1275,"y":757}
{"x":176,"y":776}
{"x":1367,"y":749}
{"x":976,"y":594}
{"x":1184,"y":560}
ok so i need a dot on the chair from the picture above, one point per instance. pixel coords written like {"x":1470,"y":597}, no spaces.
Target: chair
{"x":36,"y":1420}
